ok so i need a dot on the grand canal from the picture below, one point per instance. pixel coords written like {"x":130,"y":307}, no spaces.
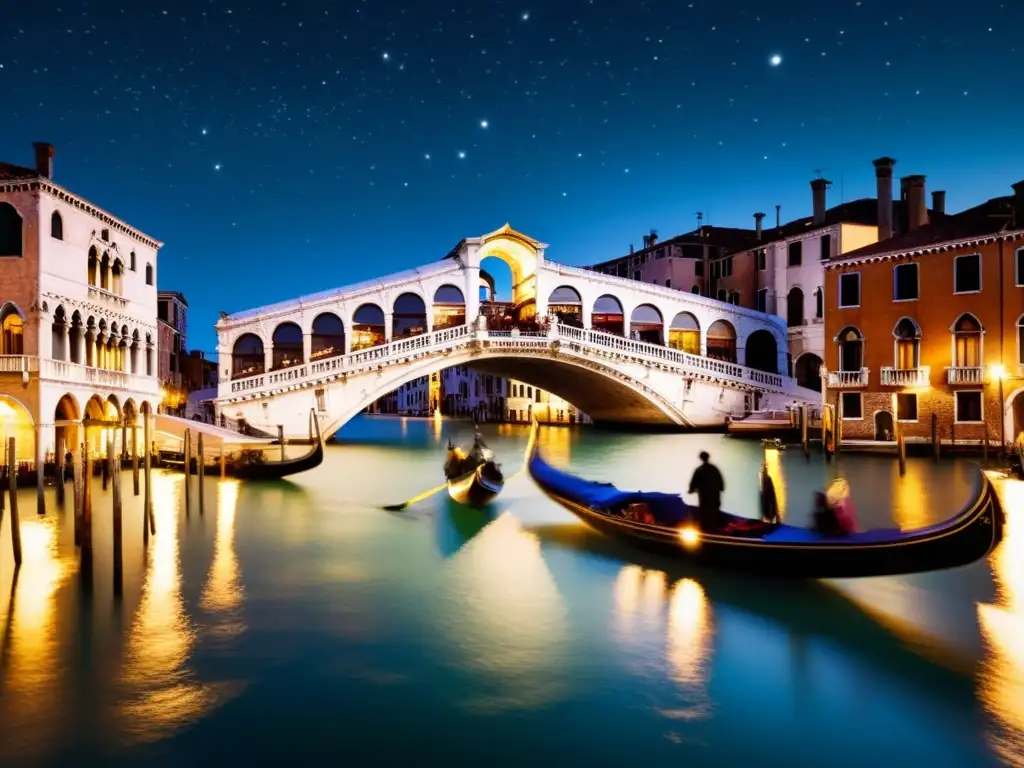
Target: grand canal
{"x":299,"y":622}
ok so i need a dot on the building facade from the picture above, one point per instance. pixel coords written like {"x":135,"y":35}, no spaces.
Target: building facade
{"x":78,"y":312}
{"x":172,"y":324}
{"x":930,"y":324}
{"x":526,"y":403}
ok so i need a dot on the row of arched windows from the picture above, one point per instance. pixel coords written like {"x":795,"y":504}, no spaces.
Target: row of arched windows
{"x":99,"y":344}
{"x":107,"y":273}
{"x":966,"y":352}
{"x":369,"y":328}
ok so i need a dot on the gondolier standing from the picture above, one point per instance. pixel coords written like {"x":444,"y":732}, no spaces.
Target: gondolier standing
{"x":708,"y":484}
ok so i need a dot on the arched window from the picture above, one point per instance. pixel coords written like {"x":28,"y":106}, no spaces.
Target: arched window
{"x":117,"y":277}
{"x":721,"y":294}
{"x":13,"y":329}
{"x":247,"y":358}
{"x":967,"y":342}
{"x":695,"y":290}
{"x":721,"y":341}
{"x":607,"y":316}
{"x":94,"y":266}
{"x":10,"y":230}
{"x":105,"y":272}
{"x":684,"y":333}
{"x":287,"y":340}
{"x":819,"y":303}
{"x":908,"y":344}
{"x":328,"y":337}
{"x":131,"y":261}
{"x":56,"y":226}
{"x":149,"y":274}
{"x":795,"y":307}
{"x":851,"y":349}
{"x":449,"y":307}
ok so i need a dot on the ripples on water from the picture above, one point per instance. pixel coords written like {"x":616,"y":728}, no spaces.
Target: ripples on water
{"x":298,"y":620}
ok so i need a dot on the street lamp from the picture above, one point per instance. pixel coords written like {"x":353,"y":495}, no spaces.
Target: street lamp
{"x":998,"y":372}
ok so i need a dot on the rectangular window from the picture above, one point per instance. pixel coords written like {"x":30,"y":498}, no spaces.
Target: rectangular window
{"x":668,"y":283}
{"x":636,"y":275}
{"x":698,"y":269}
{"x":967,"y":273}
{"x":762,"y":300}
{"x":1019,"y":268}
{"x":795,"y":254}
{"x":762,"y":260}
{"x":904,"y":279}
{"x":714,"y":270}
{"x":852,"y":406}
{"x":826,"y":247}
{"x":727,"y":267}
{"x":968,"y":406}
{"x":906,"y":406}
{"x":849,"y":289}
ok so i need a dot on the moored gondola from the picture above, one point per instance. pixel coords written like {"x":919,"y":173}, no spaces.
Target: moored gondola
{"x":474,"y":478}
{"x":664,"y":523}
{"x":253,"y":465}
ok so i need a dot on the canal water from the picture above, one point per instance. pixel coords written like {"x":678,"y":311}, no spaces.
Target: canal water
{"x":299,"y":622}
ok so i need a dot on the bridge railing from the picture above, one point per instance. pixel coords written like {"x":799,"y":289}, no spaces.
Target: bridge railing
{"x":457,"y":336}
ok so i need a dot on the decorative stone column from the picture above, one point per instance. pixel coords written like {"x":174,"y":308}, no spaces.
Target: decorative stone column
{"x":80,"y":342}
{"x":99,"y":359}
{"x":268,"y":358}
{"x":68,"y":340}
{"x":307,"y":347}
{"x":126,"y":357}
{"x":389,"y":325}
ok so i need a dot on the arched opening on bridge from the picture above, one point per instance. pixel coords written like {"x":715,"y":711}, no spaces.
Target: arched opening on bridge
{"x":647,"y":324}
{"x":408,"y":316}
{"x":795,"y":307}
{"x":16,"y":421}
{"x":287,"y":341}
{"x":247,"y":358}
{"x":684,"y":333}
{"x":566,"y":304}
{"x":368,"y":327}
{"x":807,"y":371}
{"x":762,"y":352}
{"x":66,"y":418}
{"x":449,"y":307}
{"x":722,"y":341}
{"x":510,"y":258}
{"x":497,"y":289}
{"x":328,"y":337}
{"x":851,"y":349}
{"x":607,"y":316}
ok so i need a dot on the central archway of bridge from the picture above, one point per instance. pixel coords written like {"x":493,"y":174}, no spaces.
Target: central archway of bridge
{"x":521,"y":254}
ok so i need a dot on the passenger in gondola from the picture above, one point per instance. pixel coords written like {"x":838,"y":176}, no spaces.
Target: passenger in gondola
{"x":708,"y":484}
{"x":769,"y":499}
{"x":825,"y":521}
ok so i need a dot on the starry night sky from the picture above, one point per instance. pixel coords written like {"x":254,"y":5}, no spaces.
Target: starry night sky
{"x":280,"y":148}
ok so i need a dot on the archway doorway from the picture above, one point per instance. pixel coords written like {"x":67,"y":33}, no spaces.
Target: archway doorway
{"x":762,"y":352}
{"x":510,"y":259}
{"x":408,"y":316}
{"x":722,"y":341}
{"x":1017,"y":406}
{"x":807,"y":371}
{"x":66,"y":419}
{"x":607,"y":316}
{"x":16,"y":421}
{"x":449,"y":307}
{"x":497,"y":281}
{"x":884,"y":426}
{"x":368,"y":328}
{"x":646,"y":324}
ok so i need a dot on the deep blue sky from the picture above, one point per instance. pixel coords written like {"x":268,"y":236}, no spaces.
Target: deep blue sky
{"x":280,"y":148}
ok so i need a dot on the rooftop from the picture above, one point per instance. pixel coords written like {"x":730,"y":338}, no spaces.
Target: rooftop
{"x":11,"y":172}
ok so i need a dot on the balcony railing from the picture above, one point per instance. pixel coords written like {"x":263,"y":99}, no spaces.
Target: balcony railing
{"x":843,"y":379}
{"x":965,"y":374}
{"x":18,"y":364}
{"x":74,"y":373}
{"x":906,"y":377}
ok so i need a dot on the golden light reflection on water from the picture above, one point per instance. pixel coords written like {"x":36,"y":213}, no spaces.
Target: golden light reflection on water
{"x":1001,"y":677}
{"x":224,"y":591}
{"x":512,"y":625}
{"x":161,"y":694}
{"x":773,"y":460}
{"x":912,"y":505}
{"x":640,"y":597}
{"x":32,"y":669}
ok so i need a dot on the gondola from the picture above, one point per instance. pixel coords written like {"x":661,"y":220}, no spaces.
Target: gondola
{"x":473,"y":479}
{"x":253,"y":465}
{"x":664,"y":523}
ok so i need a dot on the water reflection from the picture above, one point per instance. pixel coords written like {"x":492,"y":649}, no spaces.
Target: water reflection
{"x":457,"y":525}
{"x":31,"y":668}
{"x":772,"y":458}
{"x":511,"y":627}
{"x":224,"y":591}
{"x":1001,"y":677}
{"x":162,"y":695}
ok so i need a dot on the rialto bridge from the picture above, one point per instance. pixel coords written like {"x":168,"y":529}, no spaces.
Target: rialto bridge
{"x":623,"y":351}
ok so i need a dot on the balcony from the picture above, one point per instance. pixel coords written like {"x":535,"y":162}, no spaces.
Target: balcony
{"x":73,"y":373}
{"x":848,"y":379}
{"x":906,"y":377}
{"x":956,"y":374}
{"x":18,"y":364}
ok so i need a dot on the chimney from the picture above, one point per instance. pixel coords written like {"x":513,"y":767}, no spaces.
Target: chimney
{"x":654,"y":237}
{"x":818,"y":187}
{"x":939,"y":202}
{"x":647,"y":241}
{"x":778,"y":216}
{"x":1018,"y":205}
{"x":917,"y":211}
{"x":758,"y":224}
{"x":630,"y":247}
{"x":44,"y":159}
{"x":883,"y":175}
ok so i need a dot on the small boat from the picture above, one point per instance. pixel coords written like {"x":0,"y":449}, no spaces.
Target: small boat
{"x":473,"y":479}
{"x":665,"y":524}
{"x":253,"y":464}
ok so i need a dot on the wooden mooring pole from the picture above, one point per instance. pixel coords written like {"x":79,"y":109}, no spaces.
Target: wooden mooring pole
{"x":935,"y":437}
{"x":148,"y":521}
{"x":223,"y":465}
{"x":12,"y":488}
{"x":135,"y":458}
{"x":188,"y":470}
{"x":76,"y":490}
{"x":280,"y":437}
{"x":86,"y":539}
{"x":805,"y":439}
{"x":200,"y":468}
{"x":105,"y":468}
{"x":40,"y":472}
{"x":59,"y":459}
{"x":115,"y":485}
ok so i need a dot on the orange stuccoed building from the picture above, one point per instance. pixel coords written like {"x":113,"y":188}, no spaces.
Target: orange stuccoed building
{"x":931,"y":322}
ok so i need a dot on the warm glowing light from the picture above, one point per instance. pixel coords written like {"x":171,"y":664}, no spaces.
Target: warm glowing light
{"x":6,"y":412}
{"x":224,"y":592}
{"x":689,"y":638}
{"x":690,"y":537}
{"x":997,"y":372}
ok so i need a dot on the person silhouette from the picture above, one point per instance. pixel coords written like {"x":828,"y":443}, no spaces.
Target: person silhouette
{"x":708,"y":484}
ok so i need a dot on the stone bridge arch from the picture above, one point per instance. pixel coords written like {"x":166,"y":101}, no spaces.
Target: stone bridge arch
{"x":521,"y":253}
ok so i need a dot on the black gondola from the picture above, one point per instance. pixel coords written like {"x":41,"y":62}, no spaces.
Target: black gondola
{"x":473,"y":479}
{"x":772,"y":549}
{"x":253,"y":465}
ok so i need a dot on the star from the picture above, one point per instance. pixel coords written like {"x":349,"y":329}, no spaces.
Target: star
{"x":775,"y":60}
{"x":426,"y":156}
{"x":462,"y":155}
{"x":386,"y":56}
{"x":203,"y":131}
{"x":525,"y":16}
{"x":216,"y":166}
{"x":483,"y":123}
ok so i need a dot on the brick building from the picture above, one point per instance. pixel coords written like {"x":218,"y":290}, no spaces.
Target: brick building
{"x":930,"y":322}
